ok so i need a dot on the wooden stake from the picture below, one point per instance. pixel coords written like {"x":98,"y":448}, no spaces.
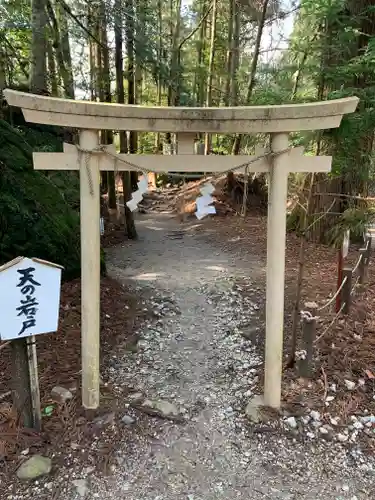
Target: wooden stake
{"x":34,"y":383}
{"x":346,"y":289}
{"x":362,"y":266}
{"x":368,"y":248}
{"x":21,"y":382}
{"x":308,"y":337}
{"x":340,"y":263}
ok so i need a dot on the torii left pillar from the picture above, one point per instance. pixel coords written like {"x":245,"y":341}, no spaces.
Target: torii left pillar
{"x":90,"y":266}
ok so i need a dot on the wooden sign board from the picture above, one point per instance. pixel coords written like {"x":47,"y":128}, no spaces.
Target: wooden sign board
{"x":30,"y":293}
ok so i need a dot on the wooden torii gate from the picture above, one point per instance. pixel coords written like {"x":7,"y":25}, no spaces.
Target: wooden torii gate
{"x":89,"y":158}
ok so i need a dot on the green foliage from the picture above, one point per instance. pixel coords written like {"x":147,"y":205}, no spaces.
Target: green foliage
{"x":356,"y":220}
{"x":36,"y":220}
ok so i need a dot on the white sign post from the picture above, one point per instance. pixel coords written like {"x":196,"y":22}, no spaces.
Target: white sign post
{"x":30,"y":292}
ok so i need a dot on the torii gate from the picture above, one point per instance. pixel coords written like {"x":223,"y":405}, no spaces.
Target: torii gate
{"x":90,"y":117}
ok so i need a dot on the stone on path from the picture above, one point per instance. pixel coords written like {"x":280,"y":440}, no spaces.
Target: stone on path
{"x":161,"y":408}
{"x":127,"y":420}
{"x":106,"y":419}
{"x":81,"y":485}
{"x":36,"y":466}
{"x":253,"y":409}
{"x":61,"y":395}
{"x":292,"y":422}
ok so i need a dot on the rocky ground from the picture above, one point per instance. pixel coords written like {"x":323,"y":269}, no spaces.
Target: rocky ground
{"x":182,"y":427}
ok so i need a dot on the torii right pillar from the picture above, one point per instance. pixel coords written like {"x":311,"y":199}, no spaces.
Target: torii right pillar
{"x":276,"y":243}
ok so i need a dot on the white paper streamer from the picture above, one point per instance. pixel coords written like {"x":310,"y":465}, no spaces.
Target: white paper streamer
{"x":203,"y":202}
{"x":138,"y":195}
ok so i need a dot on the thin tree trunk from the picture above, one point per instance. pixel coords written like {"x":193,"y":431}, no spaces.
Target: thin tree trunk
{"x":199,"y":81}
{"x":38,"y":67}
{"x":52,"y":75}
{"x":132,"y":178}
{"x":66,"y":52}
{"x":207,"y":141}
{"x":159,"y":75}
{"x":66,"y":77}
{"x":229,"y":62}
{"x":119,"y":63}
{"x":92,"y":70}
{"x":175,"y":63}
{"x":254,"y":64}
{"x":3,"y":79}
{"x":107,"y":135}
{"x":301,"y":269}
{"x":234,"y":94}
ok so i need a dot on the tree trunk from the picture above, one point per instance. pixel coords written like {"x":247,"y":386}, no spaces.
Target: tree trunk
{"x":131,"y":178}
{"x":159,"y":73}
{"x":253,"y":69}
{"x":229,"y":62}
{"x":301,"y":269}
{"x":207,"y":141}
{"x":199,"y":81}
{"x":236,"y":55}
{"x":64,"y":73}
{"x":3,"y":79}
{"x":174,"y":86}
{"x":119,"y":63}
{"x":66,"y":52}
{"x":52,"y":75}
{"x":107,"y":135}
{"x":38,"y":67}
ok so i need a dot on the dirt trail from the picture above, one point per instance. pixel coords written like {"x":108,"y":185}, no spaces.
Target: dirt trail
{"x":194,"y":356}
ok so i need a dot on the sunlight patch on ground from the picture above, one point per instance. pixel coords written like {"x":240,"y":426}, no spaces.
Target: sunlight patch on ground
{"x":148,"y":276}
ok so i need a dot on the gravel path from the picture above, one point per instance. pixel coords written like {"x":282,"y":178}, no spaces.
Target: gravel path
{"x":195,"y":357}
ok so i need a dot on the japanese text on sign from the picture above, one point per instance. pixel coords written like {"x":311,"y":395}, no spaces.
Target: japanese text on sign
{"x":29,"y":305}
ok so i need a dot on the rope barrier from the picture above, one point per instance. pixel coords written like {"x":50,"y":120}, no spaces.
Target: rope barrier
{"x":332,"y":322}
{"x":335,"y":295}
{"x":357,"y":264}
{"x":307,"y":316}
{"x":354,"y":286}
{"x":103,"y":149}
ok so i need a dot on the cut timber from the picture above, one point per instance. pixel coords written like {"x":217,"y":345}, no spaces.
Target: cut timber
{"x":241,"y":119}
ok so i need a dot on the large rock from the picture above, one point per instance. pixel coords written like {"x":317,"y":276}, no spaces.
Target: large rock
{"x":39,"y":214}
{"x":253,"y":410}
{"x":61,"y":395}
{"x":161,"y":408}
{"x":34,"y":467}
{"x":81,"y":486}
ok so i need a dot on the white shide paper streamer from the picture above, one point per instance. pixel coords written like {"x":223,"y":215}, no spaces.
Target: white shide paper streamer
{"x":138,"y":195}
{"x":203,"y":202}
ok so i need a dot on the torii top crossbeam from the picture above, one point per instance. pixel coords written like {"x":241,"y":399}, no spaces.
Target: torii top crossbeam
{"x":242,"y":119}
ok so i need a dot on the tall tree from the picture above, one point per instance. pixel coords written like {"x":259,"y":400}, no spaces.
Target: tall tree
{"x":38,"y":67}
{"x":119,"y":63}
{"x":207,"y":142}
{"x":253,"y":69}
{"x":64,"y":42}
